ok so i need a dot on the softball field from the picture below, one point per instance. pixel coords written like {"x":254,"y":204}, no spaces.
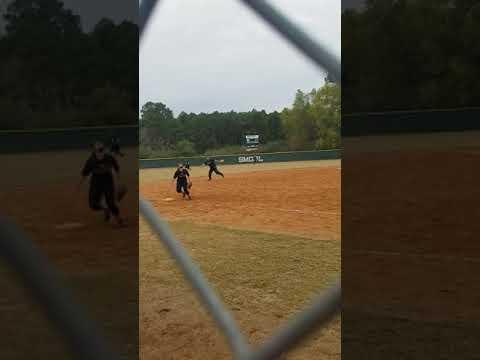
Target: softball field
{"x":98,"y":261}
{"x":410,"y":263}
{"x":267,"y":237}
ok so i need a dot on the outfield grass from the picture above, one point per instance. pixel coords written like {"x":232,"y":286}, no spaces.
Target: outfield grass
{"x":263,"y":278}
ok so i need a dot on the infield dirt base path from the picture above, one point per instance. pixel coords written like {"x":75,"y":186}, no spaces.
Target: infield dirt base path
{"x":300,"y":201}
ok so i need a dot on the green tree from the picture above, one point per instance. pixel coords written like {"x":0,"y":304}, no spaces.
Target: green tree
{"x":56,"y":75}
{"x":407,"y":55}
{"x":298,"y":122}
{"x":326,"y":111}
{"x":185,"y":148}
{"x":156,"y":122}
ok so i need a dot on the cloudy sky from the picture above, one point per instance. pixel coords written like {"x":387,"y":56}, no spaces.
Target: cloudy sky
{"x":215,"y":55}
{"x":91,"y":11}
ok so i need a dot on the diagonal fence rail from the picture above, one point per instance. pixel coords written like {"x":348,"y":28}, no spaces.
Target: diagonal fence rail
{"x":326,"y":305}
{"x":44,"y":282}
{"x":81,"y":334}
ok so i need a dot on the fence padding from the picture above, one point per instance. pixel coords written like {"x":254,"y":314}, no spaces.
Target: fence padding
{"x":244,"y":158}
{"x":65,"y":139}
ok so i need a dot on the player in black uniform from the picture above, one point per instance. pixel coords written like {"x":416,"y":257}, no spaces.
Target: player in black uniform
{"x":115,"y":147}
{"x":100,"y":167}
{"x":116,"y":152}
{"x":187,"y":165}
{"x":183,"y":181}
{"x":212,"y":164}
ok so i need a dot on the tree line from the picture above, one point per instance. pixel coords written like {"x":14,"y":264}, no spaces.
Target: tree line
{"x":54,"y":74}
{"x":312,"y":122}
{"x":408,"y":55}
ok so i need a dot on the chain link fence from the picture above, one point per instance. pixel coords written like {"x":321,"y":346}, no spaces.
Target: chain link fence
{"x":326,"y":305}
{"x":81,"y":333}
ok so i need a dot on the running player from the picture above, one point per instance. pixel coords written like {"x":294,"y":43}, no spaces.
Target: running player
{"x":115,"y":147}
{"x":212,"y":164}
{"x":100,"y":167}
{"x":183,"y":180}
{"x":115,"y":151}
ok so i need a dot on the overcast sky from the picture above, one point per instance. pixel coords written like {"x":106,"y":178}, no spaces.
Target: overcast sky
{"x":214,"y":55}
{"x":91,"y":11}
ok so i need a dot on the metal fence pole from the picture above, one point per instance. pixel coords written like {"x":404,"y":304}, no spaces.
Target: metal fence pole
{"x":146,"y":9}
{"x":192,"y":273}
{"x":324,"y":307}
{"x":82,"y":335}
{"x":327,"y":304}
{"x":296,"y":36}
{"x":36,"y":273}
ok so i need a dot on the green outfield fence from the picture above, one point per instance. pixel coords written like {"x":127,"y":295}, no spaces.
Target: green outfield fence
{"x":247,"y":158}
{"x":18,"y":141}
{"x":411,"y":121}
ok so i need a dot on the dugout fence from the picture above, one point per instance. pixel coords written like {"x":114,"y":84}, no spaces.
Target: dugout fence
{"x":83,"y":337}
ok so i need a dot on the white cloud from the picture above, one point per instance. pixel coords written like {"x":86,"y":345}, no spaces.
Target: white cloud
{"x":207,"y":55}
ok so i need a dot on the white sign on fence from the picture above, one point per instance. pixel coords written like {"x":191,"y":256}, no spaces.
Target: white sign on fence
{"x":250,"y":159}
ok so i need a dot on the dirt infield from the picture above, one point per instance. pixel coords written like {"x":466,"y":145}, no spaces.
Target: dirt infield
{"x":98,"y":260}
{"x":301,"y":201}
{"x":410,"y":250}
{"x":267,"y":237}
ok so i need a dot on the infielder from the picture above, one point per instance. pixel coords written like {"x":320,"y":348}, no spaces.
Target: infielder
{"x":183,"y":181}
{"x":100,"y":167}
{"x":212,"y":164}
{"x":115,"y":147}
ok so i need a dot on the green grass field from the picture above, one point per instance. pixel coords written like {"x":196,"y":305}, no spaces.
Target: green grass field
{"x":262,"y":278}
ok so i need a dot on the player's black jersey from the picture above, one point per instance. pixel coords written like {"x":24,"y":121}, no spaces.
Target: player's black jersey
{"x":181,"y":174}
{"x":212,"y":163}
{"x":115,"y":146}
{"x":100,"y":167}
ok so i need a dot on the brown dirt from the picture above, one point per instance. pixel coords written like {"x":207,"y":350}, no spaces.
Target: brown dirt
{"x":98,"y":261}
{"x":410,"y":253}
{"x":264,"y":276}
{"x":304,"y":202}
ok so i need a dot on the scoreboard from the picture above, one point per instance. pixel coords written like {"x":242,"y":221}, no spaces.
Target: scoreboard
{"x":251,"y":142}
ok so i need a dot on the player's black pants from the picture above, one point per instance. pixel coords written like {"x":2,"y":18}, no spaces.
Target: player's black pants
{"x":214,"y":170}
{"x":182,"y":187}
{"x":102,"y":186}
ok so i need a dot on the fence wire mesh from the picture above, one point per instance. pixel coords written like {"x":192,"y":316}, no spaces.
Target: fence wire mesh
{"x":83,"y":336}
{"x":327,"y":304}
